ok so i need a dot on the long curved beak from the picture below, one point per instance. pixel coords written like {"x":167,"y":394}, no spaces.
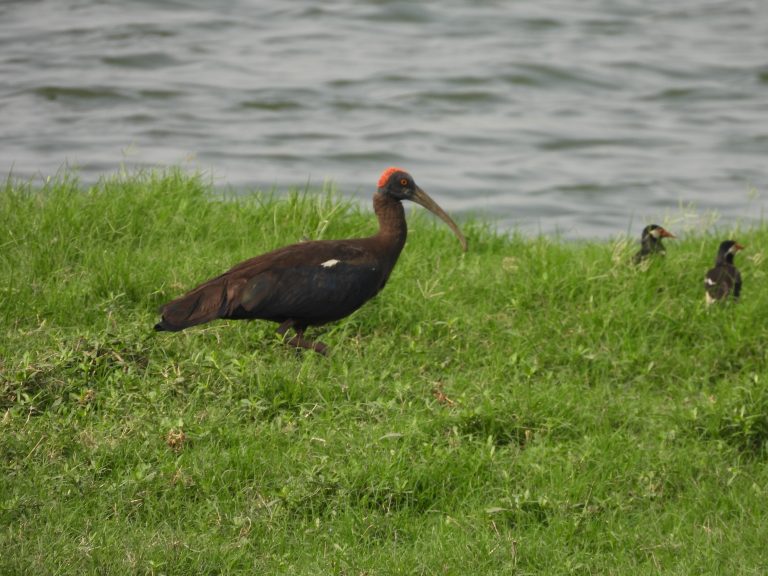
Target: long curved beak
{"x":422,"y":198}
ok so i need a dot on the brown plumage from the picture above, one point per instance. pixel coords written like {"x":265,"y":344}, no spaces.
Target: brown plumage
{"x":309,"y":283}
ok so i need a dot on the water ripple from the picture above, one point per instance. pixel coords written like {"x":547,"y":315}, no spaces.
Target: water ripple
{"x":76,"y":93}
{"x":143,"y":60}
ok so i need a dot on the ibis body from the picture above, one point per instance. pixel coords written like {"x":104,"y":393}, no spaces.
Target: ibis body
{"x":309,"y":283}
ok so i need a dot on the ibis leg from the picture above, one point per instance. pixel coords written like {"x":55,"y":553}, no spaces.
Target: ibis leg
{"x":299,"y":341}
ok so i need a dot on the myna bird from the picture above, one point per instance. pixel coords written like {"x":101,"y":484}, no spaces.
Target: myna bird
{"x":650,"y":242}
{"x":724,"y":279}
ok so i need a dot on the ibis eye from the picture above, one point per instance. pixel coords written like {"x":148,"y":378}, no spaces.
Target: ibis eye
{"x":404,"y":182}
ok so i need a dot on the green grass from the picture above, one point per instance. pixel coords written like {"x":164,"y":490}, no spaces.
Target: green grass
{"x":533,"y":406}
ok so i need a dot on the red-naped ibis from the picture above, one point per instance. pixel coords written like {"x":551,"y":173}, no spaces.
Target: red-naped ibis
{"x":650,"y":242}
{"x":724,"y":279}
{"x":310,"y":283}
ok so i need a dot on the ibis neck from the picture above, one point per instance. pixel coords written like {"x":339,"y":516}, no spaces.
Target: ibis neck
{"x":392,"y":227}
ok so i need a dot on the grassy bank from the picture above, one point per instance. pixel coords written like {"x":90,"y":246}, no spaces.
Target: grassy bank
{"x":529,"y":407}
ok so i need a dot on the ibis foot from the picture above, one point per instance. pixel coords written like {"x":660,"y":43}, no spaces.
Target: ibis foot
{"x":299,"y":341}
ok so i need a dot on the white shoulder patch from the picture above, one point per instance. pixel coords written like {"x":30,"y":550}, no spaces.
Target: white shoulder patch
{"x":709,"y":282}
{"x":330,"y":263}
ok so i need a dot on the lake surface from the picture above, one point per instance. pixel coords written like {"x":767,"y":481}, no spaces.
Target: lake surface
{"x":587,"y":118}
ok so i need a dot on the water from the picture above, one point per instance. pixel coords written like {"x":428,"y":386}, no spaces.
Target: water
{"x":588,"y":118}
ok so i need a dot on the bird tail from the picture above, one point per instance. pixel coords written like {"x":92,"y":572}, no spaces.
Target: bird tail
{"x":203,"y":304}
{"x":165,"y":326}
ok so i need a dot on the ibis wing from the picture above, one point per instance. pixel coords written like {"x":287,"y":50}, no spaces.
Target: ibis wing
{"x":313,"y":290}
{"x":202,"y":304}
{"x":315,"y":281}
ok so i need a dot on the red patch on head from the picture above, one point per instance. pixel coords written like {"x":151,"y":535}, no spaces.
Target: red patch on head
{"x":385,"y":176}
